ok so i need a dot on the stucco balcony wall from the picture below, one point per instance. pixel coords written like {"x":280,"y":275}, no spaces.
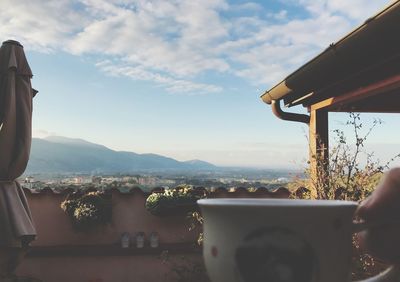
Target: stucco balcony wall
{"x":62,"y":254}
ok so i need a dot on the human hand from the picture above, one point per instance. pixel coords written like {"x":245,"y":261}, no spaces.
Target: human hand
{"x":382,"y":211}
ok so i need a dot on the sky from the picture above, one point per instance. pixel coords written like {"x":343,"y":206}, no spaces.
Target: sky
{"x":180,"y":78}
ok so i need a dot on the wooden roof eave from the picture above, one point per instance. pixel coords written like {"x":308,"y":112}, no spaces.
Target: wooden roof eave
{"x":340,"y":103}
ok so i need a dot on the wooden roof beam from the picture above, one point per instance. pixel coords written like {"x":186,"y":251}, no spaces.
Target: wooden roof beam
{"x":336,"y":103}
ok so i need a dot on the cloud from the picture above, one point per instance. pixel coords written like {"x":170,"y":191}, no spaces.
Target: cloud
{"x":252,"y":6}
{"x":37,"y":23}
{"x":171,"y":38}
{"x":355,"y":9}
{"x":175,"y":43}
{"x":171,"y":84}
{"x":275,"y":48}
{"x":281,"y":15}
{"x":41,"y":133}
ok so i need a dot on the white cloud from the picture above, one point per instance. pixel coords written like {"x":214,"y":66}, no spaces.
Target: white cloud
{"x":161,"y":37}
{"x":38,"y":23}
{"x":354,"y":9}
{"x":174,"y":42}
{"x":246,"y":6}
{"x":171,"y":84}
{"x":41,"y":133}
{"x":270,"y":53}
{"x":281,"y":15}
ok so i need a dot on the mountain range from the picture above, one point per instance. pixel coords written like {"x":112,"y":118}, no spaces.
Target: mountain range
{"x":56,"y":154}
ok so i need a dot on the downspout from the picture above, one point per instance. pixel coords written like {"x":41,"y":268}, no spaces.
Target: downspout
{"x":276,"y":109}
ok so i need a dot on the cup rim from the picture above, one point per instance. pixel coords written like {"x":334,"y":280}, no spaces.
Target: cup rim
{"x":287,"y":203}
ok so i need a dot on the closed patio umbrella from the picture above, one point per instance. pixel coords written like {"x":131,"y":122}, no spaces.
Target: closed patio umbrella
{"x":16,"y":93}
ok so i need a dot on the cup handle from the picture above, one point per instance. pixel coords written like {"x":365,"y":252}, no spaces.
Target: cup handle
{"x":392,"y":274}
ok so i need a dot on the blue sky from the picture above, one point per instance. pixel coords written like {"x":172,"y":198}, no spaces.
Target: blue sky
{"x":179,"y":78}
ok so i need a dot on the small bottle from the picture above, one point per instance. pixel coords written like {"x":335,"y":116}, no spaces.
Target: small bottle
{"x":125,"y":240}
{"x":154,"y":240}
{"x":140,"y":240}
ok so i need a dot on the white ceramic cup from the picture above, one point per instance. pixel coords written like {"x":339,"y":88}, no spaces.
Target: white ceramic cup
{"x":280,"y":240}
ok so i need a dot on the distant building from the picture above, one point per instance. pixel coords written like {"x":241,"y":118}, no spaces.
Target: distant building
{"x":82,"y":180}
{"x":282,"y":179}
{"x":147,"y":181}
{"x":28,"y":182}
{"x":96,"y":179}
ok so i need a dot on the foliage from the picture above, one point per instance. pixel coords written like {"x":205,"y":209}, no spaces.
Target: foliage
{"x":196,"y":222}
{"x":179,"y":200}
{"x":341,"y":176}
{"x":87,"y":210}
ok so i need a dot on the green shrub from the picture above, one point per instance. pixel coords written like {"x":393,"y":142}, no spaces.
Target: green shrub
{"x":179,"y":200}
{"x":88,"y":210}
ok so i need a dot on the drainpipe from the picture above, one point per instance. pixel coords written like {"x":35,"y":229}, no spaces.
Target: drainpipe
{"x":276,"y":109}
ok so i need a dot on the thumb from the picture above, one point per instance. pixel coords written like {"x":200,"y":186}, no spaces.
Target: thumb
{"x":385,"y":200}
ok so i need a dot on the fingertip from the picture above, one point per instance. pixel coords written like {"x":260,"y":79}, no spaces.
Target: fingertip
{"x":362,"y":209}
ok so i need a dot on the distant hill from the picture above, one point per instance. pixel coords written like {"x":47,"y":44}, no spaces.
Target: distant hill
{"x":58,"y":154}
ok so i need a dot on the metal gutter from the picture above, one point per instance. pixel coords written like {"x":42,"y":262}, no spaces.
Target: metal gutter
{"x":339,"y":60}
{"x":278,"y":112}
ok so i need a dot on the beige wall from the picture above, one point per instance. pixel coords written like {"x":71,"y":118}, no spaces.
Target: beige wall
{"x":109,"y":269}
{"x":129,"y":215}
